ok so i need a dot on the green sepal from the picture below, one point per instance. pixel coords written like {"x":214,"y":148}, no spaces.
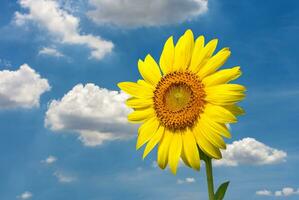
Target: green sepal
{"x":202,"y":155}
{"x":221,"y":191}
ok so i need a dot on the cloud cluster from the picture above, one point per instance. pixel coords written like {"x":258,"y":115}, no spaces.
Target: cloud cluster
{"x":95,"y":113}
{"x":135,"y":13}
{"x":186,"y":180}
{"x":62,"y":25}
{"x":49,"y":160}
{"x":21,"y":88}
{"x":25,"y":195}
{"x":284,"y":192}
{"x":63,"y":178}
{"x":263,"y":193}
{"x":249,"y":151}
{"x":50,"y":51}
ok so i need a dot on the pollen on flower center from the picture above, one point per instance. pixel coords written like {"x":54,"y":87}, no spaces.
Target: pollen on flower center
{"x":179,"y":100}
{"x":177,"y":97}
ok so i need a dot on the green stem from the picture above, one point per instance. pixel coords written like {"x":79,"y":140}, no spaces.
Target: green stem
{"x":209,"y":172}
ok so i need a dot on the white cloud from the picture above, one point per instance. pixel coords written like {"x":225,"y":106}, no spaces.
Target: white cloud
{"x":136,"y":13}
{"x":50,"y":15}
{"x":63,"y":178}
{"x":287,"y":191}
{"x":50,"y":160}
{"x":49,"y":51}
{"x":186,"y":180}
{"x":264,"y":193}
{"x":21,"y":88}
{"x":25,"y":195}
{"x":95,"y":138}
{"x":95,"y":113}
{"x":284,"y":192}
{"x":251,"y":152}
{"x":278,"y":193}
{"x":190,"y":180}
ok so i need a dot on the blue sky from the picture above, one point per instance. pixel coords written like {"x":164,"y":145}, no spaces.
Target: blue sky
{"x":89,"y":157}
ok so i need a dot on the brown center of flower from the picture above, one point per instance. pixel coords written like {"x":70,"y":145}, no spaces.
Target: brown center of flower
{"x":179,"y":100}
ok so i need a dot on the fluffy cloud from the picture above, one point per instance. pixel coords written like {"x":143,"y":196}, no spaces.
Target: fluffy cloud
{"x":62,"y":25}
{"x":251,"y":152}
{"x":186,"y":180}
{"x":25,"y":195}
{"x":136,"y":13}
{"x":21,"y":88}
{"x":49,"y":51}
{"x":50,"y":160}
{"x":95,"y":113}
{"x":287,"y":191}
{"x":62,"y":178}
{"x":284,"y":192}
{"x":264,"y":193}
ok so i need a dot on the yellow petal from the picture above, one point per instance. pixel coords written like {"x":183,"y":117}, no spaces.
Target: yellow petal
{"x":227,"y":88}
{"x":214,"y":63}
{"x":222,"y":77}
{"x":183,"y":51}
{"x":175,"y":150}
{"x":184,"y":158}
{"x":136,"y":90}
{"x":204,"y":55}
{"x":190,"y":149}
{"x":224,"y":99}
{"x":205,"y":145}
{"x":219,"y":114}
{"x":141,"y":115}
{"x":210,"y":135}
{"x":145,"y":84}
{"x":236,"y":110}
{"x":153,"y":141}
{"x":210,"y":48}
{"x":146,"y":131}
{"x":167,"y":56}
{"x":163,"y":149}
{"x":225,"y":94}
{"x":149,"y":70}
{"x":138,"y":103}
{"x":215,"y":127}
{"x":195,"y":60}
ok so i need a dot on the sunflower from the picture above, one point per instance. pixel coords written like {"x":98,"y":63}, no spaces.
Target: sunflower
{"x":185,"y":102}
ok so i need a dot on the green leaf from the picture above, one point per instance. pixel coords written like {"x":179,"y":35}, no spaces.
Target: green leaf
{"x":221,"y":191}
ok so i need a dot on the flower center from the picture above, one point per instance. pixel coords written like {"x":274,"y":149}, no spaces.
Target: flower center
{"x":179,"y":100}
{"x":177,"y":97}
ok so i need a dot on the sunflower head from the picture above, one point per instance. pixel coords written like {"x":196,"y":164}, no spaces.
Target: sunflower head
{"x":185,"y":102}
